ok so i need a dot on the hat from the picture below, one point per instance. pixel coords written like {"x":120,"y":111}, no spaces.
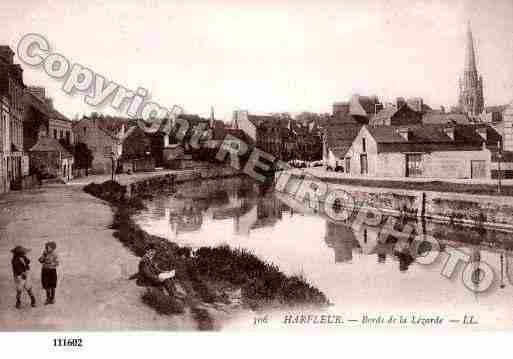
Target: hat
{"x":52,"y":245}
{"x":20,"y":250}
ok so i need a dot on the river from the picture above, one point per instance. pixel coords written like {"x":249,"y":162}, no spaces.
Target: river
{"x":359,"y":275}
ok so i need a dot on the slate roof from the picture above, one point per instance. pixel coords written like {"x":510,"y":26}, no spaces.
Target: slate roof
{"x":385,"y":114}
{"x":31,"y":99}
{"x":340,"y":136}
{"x":362,"y":105}
{"x":427,"y":138}
{"x":435,"y":117}
{"x":49,"y":144}
{"x":500,"y":108}
{"x":257,"y":120}
{"x":218,"y":134}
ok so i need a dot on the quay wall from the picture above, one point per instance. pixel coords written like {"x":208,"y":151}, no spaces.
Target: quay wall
{"x":143,"y":186}
{"x":450,"y":207}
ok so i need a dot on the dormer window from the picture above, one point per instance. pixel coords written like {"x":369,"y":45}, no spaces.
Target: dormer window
{"x":364,"y":145}
{"x":404,"y":133}
{"x":449,"y":131}
{"x":482,"y":132}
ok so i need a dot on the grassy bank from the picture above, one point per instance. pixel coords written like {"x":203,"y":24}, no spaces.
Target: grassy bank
{"x":210,"y":277}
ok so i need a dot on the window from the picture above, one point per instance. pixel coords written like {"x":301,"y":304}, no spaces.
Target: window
{"x":413,"y":165}
{"x":364,"y":145}
{"x":363,"y":165}
{"x":106,"y":150}
{"x":61,"y":135}
{"x":348,"y":165}
{"x":54,"y":133}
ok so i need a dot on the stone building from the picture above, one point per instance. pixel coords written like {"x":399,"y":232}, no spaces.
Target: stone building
{"x":337,"y":139}
{"x":401,"y":114}
{"x":503,"y":158}
{"x":436,"y":151}
{"x":39,"y":111}
{"x":270,"y":134}
{"x":104,"y":137}
{"x":471,"y":101}
{"x":343,"y":126}
{"x":14,"y":162}
{"x":51,"y":158}
{"x":5,"y":145}
{"x":493,"y":114}
{"x":137,"y":152}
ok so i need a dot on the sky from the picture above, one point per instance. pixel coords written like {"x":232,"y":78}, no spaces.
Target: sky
{"x":269,"y":56}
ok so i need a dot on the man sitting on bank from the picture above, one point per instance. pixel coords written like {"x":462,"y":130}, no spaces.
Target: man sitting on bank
{"x":151,"y":275}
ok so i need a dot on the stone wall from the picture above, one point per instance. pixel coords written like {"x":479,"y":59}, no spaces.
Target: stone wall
{"x":151,"y":184}
{"x":481,"y":210}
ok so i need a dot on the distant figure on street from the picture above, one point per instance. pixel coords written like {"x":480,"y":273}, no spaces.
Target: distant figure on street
{"x":39,"y":176}
{"x":50,"y":262}
{"x":21,"y":271}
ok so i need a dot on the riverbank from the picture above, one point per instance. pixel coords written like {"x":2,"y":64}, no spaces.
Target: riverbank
{"x":94,"y":291}
{"x":216,"y":282}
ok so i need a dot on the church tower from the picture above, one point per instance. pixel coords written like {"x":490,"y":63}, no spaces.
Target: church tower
{"x":471,"y":100}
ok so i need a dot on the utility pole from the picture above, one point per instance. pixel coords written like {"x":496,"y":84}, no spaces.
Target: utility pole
{"x":112,"y":155}
{"x":502,"y":285}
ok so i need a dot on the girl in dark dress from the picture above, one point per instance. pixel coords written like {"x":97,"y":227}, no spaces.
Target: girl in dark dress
{"x":50,"y":262}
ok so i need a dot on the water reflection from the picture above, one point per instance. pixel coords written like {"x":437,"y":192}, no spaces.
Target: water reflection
{"x":251,"y":206}
{"x":333,"y":256}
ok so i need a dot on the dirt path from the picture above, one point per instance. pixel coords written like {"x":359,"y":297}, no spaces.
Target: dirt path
{"x":94,"y":292}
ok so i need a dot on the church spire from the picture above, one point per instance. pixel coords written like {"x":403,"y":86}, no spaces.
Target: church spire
{"x":470,"y":55}
{"x":471,"y":100}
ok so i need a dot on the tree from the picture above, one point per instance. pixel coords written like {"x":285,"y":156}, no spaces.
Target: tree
{"x":83,"y":156}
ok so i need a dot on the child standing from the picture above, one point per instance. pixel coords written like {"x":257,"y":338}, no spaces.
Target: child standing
{"x":20,"y":268}
{"x":50,"y":262}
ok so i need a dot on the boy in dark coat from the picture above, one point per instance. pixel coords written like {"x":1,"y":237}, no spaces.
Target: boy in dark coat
{"x":20,"y":269}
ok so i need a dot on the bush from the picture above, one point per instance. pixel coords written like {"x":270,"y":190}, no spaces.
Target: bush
{"x":260,"y":280}
{"x":162,"y":303}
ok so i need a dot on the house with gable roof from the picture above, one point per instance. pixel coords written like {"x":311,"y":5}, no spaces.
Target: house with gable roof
{"x":104,"y":137}
{"x":428,"y":151}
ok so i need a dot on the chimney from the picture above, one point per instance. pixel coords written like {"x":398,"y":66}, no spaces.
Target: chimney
{"x":399,"y":101}
{"x":449,"y":131}
{"x":49,"y":103}
{"x":404,"y":133}
{"x":416,"y":103}
{"x":340,"y":108}
{"x":6,"y":54}
{"x":212,"y":117}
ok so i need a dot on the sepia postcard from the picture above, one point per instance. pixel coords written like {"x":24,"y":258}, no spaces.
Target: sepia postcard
{"x":265,"y":166}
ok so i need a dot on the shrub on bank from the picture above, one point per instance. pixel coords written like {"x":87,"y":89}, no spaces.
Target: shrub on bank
{"x":260,"y":280}
{"x":161,"y":302}
{"x":210,"y":273}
